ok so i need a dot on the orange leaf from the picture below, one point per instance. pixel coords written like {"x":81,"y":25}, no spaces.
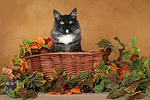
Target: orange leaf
{"x":120,"y":78}
{"x":40,"y":41}
{"x":18,"y":75}
{"x":50,"y":44}
{"x":23,"y":68}
{"x":126,"y":69}
{"x":36,"y":46}
{"x":76,"y":91}
{"x":58,"y":93}
{"x":23,"y":61}
{"x":51,"y":93}
{"x":113,"y":67}
{"x":69,"y":93}
{"x":134,"y":57}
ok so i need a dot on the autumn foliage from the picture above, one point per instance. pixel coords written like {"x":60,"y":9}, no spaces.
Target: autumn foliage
{"x":127,"y":73}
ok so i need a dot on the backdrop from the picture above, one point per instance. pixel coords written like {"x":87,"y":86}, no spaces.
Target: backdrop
{"x":98,"y":19}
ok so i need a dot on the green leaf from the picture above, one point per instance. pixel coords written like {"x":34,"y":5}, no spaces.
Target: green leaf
{"x":111,"y":80}
{"x":55,"y":72}
{"x":35,"y":80}
{"x":127,"y":78}
{"x":22,"y":52}
{"x":148,"y":91}
{"x":116,"y":93}
{"x":132,"y":87}
{"x":135,"y":64}
{"x":46,"y":46}
{"x":2,"y":87}
{"x":19,"y":86}
{"x":133,"y":41}
{"x":59,"y":85}
{"x":113,"y":84}
{"x":15,"y":61}
{"x":135,"y":50}
{"x":147,"y":66}
{"x":83,"y":76}
{"x":89,"y":81}
{"x":4,"y":78}
{"x":136,"y":95}
{"x":99,"y":88}
{"x":104,"y":43}
{"x":102,"y":66}
{"x":25,"y":94}
{"x":71,"y":80}
{"x":27,"y":42}
{"x":126,"y":53}
{"x":11,"y":93}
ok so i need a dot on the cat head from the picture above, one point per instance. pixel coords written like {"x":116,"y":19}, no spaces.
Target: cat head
{"x":66,"y":24}
{"x":57,"y":15}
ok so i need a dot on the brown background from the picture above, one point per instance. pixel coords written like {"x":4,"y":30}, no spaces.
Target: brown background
{"x":98,"y":19}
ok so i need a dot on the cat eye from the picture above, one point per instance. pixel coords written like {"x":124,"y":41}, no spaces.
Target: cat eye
{"x":70,"y":22}
{"x":61,"y":22}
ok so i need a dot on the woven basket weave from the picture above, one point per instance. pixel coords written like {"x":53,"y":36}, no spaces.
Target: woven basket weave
{"x":71,"y":62}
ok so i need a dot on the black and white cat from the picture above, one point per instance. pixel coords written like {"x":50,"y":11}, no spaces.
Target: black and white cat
{"x":65,"y":34}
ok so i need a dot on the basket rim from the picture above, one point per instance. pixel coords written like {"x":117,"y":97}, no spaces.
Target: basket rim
{"x":71,"y":53}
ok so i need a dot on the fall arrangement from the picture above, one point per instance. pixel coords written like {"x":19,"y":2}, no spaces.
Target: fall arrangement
{"x":127,"y":73}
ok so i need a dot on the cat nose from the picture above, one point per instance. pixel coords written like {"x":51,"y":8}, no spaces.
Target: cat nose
{"x":67,"y":30}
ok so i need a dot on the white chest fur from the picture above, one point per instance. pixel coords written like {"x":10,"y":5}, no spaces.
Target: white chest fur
{"x":66,"y":39}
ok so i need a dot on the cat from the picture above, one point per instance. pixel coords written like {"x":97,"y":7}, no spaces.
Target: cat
{"x":65,"y":34}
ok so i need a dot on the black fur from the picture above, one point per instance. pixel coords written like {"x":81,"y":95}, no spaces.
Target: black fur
{"x":66,"y":26}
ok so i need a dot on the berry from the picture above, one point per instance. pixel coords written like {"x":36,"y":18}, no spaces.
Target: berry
{"x":12,"y":84}
{"x":87,"y":89}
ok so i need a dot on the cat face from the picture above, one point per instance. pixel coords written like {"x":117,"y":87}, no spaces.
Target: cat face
{"x":66,"y":24}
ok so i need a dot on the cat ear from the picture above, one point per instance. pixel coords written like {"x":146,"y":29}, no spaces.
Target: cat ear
{"x":56,"y":15}
{"x":74,"y":13}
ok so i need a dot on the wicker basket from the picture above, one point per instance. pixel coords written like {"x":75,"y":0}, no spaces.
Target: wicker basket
{"x":71,"y":62}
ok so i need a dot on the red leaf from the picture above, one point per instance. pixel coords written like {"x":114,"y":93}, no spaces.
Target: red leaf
{"x":47,"y":40}
{"x":125,"y":69}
